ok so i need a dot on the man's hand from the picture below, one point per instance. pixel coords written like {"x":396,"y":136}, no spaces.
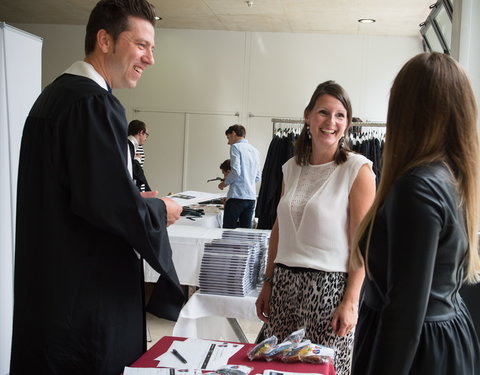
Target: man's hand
{"x":173,"y":210}
{"x":149,"y":194}
{"x":221,"y":185}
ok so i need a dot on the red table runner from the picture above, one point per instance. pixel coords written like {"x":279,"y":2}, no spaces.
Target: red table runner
{"x":239,"y":358}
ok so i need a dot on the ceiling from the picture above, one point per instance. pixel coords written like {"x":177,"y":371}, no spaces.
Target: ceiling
{"x":393,"y":17}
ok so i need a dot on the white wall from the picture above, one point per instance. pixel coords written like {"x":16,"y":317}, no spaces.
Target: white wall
{"x":202,"y":79}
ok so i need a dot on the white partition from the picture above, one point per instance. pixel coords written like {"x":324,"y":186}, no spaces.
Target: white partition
{"x":20,"y":82}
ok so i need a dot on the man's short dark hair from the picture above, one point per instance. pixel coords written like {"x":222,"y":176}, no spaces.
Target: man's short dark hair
{"x":112,"y":16}
{"x":136,"y":126}
{"x":225,"y":166}
{"x":238,"y":129}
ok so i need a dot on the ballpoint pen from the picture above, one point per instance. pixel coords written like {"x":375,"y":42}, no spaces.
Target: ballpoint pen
{"x":178,"y":355}
{"x":215,"y":179}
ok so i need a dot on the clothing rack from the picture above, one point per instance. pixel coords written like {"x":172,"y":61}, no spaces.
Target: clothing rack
{"x":359,"y":127}
{"x":369,"y":124}
{"x":298,"y":123}
{"x":302,"y":121}
{"x":287,"y":121}
{"x":291,"y":122}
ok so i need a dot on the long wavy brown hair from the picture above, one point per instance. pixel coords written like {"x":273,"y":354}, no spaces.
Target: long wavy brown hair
{"x":432,"y":116}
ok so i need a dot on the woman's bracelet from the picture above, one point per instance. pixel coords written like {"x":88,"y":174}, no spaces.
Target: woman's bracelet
{"x":268,"y":279}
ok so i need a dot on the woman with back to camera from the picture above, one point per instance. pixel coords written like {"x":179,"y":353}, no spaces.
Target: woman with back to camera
{"x":327,"y":189}
{"x":419,"y":240}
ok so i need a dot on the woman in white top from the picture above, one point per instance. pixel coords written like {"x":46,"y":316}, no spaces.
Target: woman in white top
{"x":327,"y":189}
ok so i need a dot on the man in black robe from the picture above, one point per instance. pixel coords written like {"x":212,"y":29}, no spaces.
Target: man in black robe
{"x":83,"y":228}
{"x":137,"y":135}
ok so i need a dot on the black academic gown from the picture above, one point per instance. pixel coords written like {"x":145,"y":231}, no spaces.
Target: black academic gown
{"x":78,"y":289}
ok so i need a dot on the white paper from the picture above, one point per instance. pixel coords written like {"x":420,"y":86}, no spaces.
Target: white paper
{"x":200,"y":354}
{"x":278,"y":372}
{"x":188,"y":198}
{"x":158,"y":371}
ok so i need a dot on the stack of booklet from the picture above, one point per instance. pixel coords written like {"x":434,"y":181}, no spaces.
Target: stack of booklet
{"x":260,"y":238}
{"x":231,"y":265}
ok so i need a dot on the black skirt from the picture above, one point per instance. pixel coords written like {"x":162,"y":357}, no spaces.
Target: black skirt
{"x":445,"y":347}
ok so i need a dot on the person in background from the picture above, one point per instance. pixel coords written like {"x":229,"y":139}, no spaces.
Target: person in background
{"x":418,"y":242}
{"x":326,"y":191}
{"x":83,"y":229}
{"x":137,"y":136}
{"x":244,"y":174}
{"x":225,"y":168}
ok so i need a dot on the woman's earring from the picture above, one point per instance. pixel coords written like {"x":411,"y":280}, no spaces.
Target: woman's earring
{"x":308,"y":132}
{"x":342,"y":142}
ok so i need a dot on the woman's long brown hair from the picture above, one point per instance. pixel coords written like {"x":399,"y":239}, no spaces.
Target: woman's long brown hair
{"x":432,"y":116}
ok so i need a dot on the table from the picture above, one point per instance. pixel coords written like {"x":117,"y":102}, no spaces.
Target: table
{"x":240,"y":358}
{"x":208,"y":220}
{"x":187,"y":242}
{"x":190,"y":197}
{"x":214,"y":317}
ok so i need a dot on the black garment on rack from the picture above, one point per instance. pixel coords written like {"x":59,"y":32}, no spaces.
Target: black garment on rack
{"x":279,"y":151}
{"x":371,"y":148}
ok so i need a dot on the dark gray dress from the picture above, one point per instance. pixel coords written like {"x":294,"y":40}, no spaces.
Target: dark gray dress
{"x":412,"y":319}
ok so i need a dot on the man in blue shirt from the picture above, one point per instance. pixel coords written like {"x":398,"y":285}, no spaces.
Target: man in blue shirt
{"x":244,"y":174}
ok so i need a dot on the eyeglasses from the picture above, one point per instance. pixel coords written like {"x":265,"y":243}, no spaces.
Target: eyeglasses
{"x":146,"y":134}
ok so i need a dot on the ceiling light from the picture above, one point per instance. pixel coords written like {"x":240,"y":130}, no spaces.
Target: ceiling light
{"x":366,"y":20}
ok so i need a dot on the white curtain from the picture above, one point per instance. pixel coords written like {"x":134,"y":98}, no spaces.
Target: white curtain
{"x":20,"y":84}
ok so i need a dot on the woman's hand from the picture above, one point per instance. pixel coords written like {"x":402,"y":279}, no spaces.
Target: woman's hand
{"x":344,"y":318}
{"x":263,"y":302}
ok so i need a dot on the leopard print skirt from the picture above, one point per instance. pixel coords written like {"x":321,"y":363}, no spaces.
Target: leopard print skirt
{"x":308,"y":298}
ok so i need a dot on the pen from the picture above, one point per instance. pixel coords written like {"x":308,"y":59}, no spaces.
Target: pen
{"x":178,"y":355}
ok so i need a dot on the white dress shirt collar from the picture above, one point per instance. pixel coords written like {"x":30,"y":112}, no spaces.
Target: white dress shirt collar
{"x":84,"y":69}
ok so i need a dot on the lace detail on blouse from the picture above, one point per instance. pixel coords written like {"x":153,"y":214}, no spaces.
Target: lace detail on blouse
{"x":312,"y":178}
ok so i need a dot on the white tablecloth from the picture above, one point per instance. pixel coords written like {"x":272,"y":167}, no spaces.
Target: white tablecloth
{"x":204,"y":316}
{"x":187,"y":242}
{"x":213,"y":220}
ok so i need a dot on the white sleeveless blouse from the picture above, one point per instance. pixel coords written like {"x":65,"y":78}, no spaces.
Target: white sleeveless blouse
{"x":313,"y":214}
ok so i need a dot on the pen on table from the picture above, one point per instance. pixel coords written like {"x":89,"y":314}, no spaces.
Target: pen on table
{"x":178,"y":355}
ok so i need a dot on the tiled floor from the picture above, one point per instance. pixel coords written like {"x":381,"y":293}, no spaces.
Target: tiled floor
{"x":158,"y":328}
